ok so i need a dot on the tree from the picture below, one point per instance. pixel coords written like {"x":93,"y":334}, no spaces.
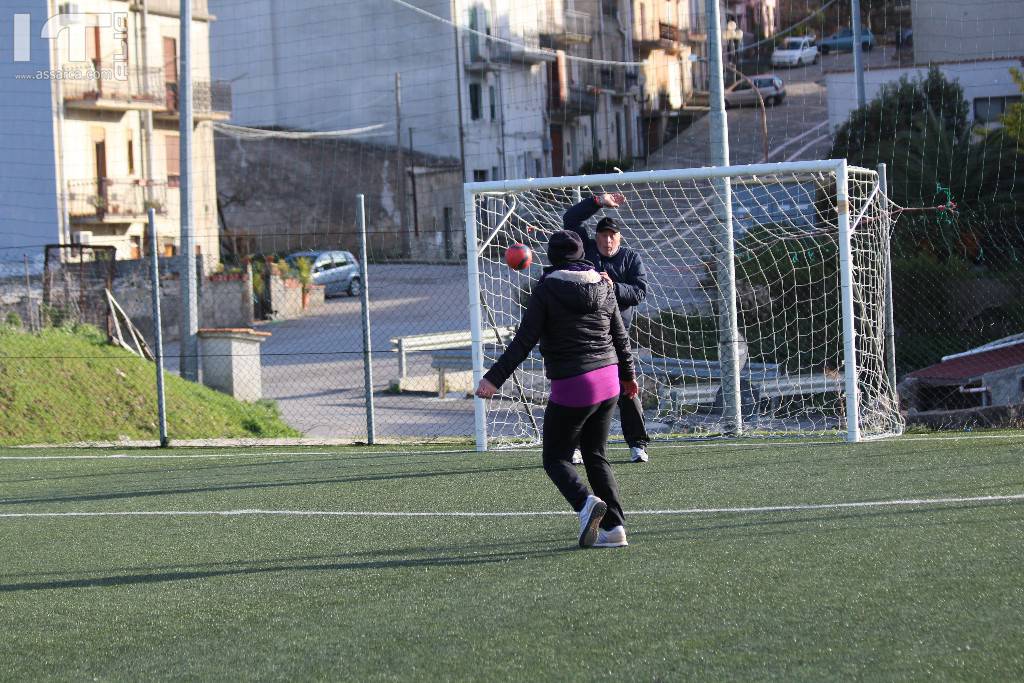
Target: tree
{"x":1013,"y":119}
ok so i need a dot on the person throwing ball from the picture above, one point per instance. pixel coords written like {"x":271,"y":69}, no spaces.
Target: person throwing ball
{"x":623,"y":268}
{"x":572,"y":312}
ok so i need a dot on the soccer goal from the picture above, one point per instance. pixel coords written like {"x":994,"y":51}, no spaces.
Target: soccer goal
{"x":768,"y":309}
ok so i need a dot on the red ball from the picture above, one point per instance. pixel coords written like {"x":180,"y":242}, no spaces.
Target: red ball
{"x":518,"y":257}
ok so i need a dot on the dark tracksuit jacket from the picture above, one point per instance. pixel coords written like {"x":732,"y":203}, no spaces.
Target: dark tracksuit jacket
{"x":625,"y":267}
{"x":574,"y":316}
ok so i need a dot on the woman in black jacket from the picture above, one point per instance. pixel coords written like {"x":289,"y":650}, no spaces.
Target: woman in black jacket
{"x":573,"y":313}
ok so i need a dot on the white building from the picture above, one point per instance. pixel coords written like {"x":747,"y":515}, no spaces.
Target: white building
{"x":81,"y":162}
{"x":987,"y":84}
{"x":521,"y":101}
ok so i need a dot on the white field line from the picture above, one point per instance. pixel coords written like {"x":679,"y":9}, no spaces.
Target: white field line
{"x":674,"y":445}
{"x":546,"y":513}
{"x":796,"y":139}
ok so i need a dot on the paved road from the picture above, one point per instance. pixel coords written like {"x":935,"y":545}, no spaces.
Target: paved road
{"x":797,"y":129}
{"x":313,"y":366}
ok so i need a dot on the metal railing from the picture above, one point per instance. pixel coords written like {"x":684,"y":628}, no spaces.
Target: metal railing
{"x":114,"y":82}
{"x":115,"y":198}
{"x":172,"y":8}
{"x":207,"y":97}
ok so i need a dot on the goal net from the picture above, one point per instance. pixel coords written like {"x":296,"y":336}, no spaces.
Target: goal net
{"x":808,"y":348}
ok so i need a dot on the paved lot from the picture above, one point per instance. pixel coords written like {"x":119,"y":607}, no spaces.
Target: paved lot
{"x":797,"y":129}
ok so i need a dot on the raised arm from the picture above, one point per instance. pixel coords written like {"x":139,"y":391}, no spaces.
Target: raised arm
{"x":573,"y":218}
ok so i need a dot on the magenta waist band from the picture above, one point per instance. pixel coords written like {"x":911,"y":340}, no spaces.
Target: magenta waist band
{"x":586,"y":389}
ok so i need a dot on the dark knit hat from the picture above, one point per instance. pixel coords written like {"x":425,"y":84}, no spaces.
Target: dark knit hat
{"x":564,"y":246}
{"x":608,"y":224}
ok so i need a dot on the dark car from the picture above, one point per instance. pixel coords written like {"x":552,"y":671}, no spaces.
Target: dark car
{"x":337,"y":271}
{"x":842,"y":41}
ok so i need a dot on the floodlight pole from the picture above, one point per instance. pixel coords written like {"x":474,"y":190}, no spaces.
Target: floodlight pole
{"x":728,"y":332}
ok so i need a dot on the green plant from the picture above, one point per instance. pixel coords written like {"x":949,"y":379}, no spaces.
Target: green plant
{"x":304,"y":270}
{"x":1013,"y":119}
{"x":12,"y":319}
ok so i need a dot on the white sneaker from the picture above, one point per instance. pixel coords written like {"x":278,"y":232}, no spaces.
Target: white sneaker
{"x":613,"y":538}
{"x":590,"y":517}
{"x":638,"y":454}
{"x":577,"y":457}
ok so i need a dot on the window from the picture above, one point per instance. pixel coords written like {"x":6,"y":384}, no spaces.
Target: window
{"x":494,"y":104}
{"x":494,"y":172}
{"x":989,"y":109}
{"x":474,"y":101}
{"x":539,"y":171}
{"x":171,"y":144}
{"x":479,"y":175}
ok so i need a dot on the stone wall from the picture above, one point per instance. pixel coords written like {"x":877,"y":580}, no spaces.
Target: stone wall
{"x":278,"y":196}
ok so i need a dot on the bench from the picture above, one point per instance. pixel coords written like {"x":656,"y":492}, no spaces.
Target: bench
{"x":772,"y":389}
{"x":436,"y":341}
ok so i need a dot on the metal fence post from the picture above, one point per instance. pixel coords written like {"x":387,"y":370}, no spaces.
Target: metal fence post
{"x":364,"y":304}
{"x":158,"y":332}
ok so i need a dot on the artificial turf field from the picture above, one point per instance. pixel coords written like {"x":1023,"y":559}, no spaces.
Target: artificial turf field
{"x":708,"y":589}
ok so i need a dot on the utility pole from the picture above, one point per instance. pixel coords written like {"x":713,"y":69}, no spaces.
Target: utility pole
{"x":400,"y":171}
{"x":858,"y":55}
{"x":147,"y":117}
{"x":456,"y":16}
{"x":189,"y":326}
{"x":725,"y":275}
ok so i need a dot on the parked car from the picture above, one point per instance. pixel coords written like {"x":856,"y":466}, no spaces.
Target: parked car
{"x":337,"y":271}
{"x":795,"y":52}
{"x":843,"y":41}
{"x":771,"y":87}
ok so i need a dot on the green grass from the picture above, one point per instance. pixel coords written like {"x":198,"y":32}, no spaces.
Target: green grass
{"x":876,"y":593}
{"x":62,"y":386}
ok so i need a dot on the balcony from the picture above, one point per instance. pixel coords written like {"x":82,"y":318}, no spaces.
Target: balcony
{"x":211,"y":101}
{"x":113,"y":88}
{"x":578,"y":100}
{"x":667,"y":37}
{"x":108,"y":200}
{"x":483,"y":54}
{"x":575,"y":28}
{"x":172,"y":8}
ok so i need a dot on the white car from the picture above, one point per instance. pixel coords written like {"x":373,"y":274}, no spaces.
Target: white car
{"x":795,"y":52}
{"x":740,"y":94}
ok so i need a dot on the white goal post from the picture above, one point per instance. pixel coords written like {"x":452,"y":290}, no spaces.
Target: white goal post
{"x":795,"y":341}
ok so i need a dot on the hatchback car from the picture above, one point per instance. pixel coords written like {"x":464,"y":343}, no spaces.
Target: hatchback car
{"x":337,"y":271}
{"x":841,"y":41}
{"x":795,"y":52}
{"x":771,"y":87}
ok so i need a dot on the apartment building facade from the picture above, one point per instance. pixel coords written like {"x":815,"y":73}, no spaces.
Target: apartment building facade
{"x":95,"y":138}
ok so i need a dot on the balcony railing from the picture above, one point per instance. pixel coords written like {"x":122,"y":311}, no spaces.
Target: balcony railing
{"x":580,"y":100}
{"x":208,"y":98}
{"x":172,"y":8}
{"x":110,"y":85}
{"x":666,"y":37}
{"x":573,"y":27}
{"x":114,"y":199}
{"x":485,"y":54}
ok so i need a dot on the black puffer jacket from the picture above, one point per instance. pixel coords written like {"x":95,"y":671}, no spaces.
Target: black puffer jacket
{"x":574,"y":316}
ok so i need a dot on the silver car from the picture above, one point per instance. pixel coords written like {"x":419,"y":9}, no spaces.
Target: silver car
{"x":337,"y":271}
{"x":772,"y":89}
